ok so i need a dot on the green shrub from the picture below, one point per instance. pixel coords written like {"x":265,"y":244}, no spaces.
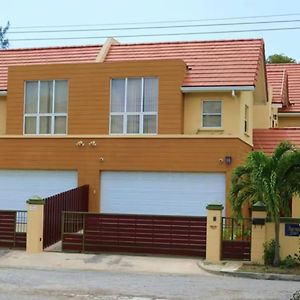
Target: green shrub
{"x":296,"y":296}
{"x":269,"y":252}
{"x":290,"y":261}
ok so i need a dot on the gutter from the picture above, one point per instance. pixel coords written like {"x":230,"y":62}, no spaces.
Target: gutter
{"x":3,"y":93}
{"x":291,"y":114}
{"x":195,"y":89}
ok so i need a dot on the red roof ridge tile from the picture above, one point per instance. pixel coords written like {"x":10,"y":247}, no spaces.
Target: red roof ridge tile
{"x":50,"y":47}
{"x":192,"y":42}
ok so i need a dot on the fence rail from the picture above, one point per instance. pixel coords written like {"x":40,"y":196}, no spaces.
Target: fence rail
{"x":72,"y":200}
{"x":13,"y":227}
{"x":89,"y":232}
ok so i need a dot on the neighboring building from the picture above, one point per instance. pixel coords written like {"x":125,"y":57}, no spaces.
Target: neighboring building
{"x":153,"y":128}
{"x":285,"y":82}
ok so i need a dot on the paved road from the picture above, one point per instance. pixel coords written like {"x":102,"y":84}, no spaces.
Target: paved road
{"x":21,"y":284}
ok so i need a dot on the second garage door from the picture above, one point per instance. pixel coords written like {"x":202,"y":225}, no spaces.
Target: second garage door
{"x":160,"y":193}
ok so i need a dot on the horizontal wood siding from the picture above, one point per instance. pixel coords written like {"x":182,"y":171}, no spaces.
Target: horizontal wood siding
{"x":89,"y":93}
{"x":119,"y":154}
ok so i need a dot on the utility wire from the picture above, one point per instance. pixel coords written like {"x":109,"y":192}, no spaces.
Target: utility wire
{"x":159,"y":34}
{"x":158,"y":22}
{"x":156,"y":27}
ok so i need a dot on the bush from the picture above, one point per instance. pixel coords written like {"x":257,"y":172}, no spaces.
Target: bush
{"x":269,"y":252}
{"x":296,"y":296}
{"x":290,"y":261}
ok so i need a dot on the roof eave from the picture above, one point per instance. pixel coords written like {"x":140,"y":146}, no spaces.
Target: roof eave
{"x":195,"y":89}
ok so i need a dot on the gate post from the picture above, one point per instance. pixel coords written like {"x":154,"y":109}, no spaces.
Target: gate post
{"x":214,"y":232}
{"x":258,"y":234}
{"x":35,"y":225}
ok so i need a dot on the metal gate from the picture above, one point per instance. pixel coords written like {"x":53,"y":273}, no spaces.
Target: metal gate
{"x":73,"y":200}
{"x":13,"y":227}
{"x":236,"y":239}
{"x":176,"y":235}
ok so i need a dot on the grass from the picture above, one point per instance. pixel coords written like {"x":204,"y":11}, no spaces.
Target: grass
{"x":269,"y":269}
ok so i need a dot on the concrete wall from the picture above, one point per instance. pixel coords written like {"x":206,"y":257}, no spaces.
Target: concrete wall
{"x":288,"y":121}
{"x":288,"y":244}
{"x":233,"y":108}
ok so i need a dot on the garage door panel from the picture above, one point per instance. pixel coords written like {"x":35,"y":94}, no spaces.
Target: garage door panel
{"x":161,"y":193}
{"x":17,"y":186}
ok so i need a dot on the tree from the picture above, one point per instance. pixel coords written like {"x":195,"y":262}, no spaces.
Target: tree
{"x":4,"y":43}
{"x":272,"y":180}
{"x":280,"y":59}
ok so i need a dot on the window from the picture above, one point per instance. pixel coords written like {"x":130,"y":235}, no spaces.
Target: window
{"x":133,"y":107}
{"x":246,"y":119}
{"x":46,"y":105}
{"x":212,"y":114}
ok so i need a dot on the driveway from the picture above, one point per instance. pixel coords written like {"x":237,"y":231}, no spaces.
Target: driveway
{"x":49,"y":275}
{"x":24,"y":284}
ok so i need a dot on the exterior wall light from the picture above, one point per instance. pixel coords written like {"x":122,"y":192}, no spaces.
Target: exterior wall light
{"x":80,"y":144}
{"x":228,"y":159}
{"x":93,"y":144}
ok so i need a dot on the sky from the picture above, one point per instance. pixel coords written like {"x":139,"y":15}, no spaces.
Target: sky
{"x":37,"y":13}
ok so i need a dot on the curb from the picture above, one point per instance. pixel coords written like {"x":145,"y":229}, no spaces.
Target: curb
{"x":251,"y":275}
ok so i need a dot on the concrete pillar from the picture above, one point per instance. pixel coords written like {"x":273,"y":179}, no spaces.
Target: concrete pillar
{"x":296,"y":207}
{"x":258,"y":234}
{"x":214,"y":232}
{"x":35,"y":225}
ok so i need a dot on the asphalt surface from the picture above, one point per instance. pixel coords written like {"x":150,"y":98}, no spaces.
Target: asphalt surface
{"x":24,"y":284}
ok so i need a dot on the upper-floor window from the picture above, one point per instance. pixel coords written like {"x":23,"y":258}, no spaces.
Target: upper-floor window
{"x":133,"y":105}
{"x":246,"y":119}
{"x":46,"y":106}
{"x":212,"y":114}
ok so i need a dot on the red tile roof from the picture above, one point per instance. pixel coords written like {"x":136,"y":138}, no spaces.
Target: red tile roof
{"x":278,"y":80}
{"x":267,"y":139}
{"x":73,"y":54}
{"x":292,"y":83}
{"x":211,"y":63}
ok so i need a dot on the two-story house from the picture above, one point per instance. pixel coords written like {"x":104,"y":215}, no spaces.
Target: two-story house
{"x":153,"y":128}
{"x":285,"y":82}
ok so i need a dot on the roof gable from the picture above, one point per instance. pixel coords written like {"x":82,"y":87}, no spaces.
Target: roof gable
{"x":289,"y":85}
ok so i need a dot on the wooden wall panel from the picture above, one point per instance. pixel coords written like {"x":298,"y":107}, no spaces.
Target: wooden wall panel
{"x":89,"y":93}
{"x":181,"y":154}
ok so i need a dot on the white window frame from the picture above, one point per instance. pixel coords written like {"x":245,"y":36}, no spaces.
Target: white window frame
{"x":125,"y":114}
{"x":211,"y":114}
{"x":38,"y":115}
{"x":246,"y":119}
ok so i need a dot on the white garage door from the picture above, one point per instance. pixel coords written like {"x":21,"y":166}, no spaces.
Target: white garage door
{"x":17,"y":186}
{"x":160,"y":193}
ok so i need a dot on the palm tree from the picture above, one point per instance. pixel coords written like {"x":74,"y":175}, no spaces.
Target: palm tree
{"x":4,"y":43}
{"x":272,"y":180}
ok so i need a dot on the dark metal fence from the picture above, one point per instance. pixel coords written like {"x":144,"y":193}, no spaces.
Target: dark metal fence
{"x":72,"y":200}
{"x":13,"y":227}
{"x":236,"y":239}
{"x":90,"y":232}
